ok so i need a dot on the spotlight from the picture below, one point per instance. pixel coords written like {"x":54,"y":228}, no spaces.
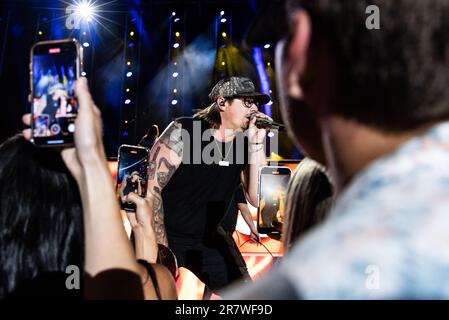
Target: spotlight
{"x":86,"y":44}
{"x":129,"y":74}
{"x":223,"y":63}
{"x":126,"y":121}
{"x":223,"y":20}
{"x":128,"y":63}
{"x":224,"y":34}
{"x":174,"y":102}
{"x":173,"y":13}
{"x":270,"y":103}
{"x":85,"y":10}
{"x":127,"y":101}
{"x":267,"y":46}
{"x":175,"y":74}
{"x":83,"y":74}
{"x":270,"y":134}
{"x":40,"y":32}
{"x":175,"y":63}
{"x":131,"y":33}
{"x":127,"y":90}
{"x":131,"y":44}
{"x":177,"y":34}
{"x":268,"y":64}
{"x":222,"y":13}
{"x":176,"y":20}
{"x":175,"y":90}
{"x":84,"y":33}
{"x":271,"y":91}
{"x":176,"y":45}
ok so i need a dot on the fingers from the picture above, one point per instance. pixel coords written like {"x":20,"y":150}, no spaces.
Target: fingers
{"x":134,"y":198}
{"x":132,"y":219}
{"x":27,"y":134}
{"x":26,"y":119}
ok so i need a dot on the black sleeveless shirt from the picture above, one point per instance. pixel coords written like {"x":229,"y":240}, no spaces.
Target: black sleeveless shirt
{"x":201,"y":190}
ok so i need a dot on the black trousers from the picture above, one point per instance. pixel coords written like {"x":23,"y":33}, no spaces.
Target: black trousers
{"x":216,"y":262}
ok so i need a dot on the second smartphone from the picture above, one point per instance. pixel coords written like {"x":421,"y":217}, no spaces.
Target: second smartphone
{"x":132,"y":174}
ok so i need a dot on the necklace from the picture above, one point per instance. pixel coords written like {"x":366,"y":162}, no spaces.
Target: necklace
{"x":223,"y":162}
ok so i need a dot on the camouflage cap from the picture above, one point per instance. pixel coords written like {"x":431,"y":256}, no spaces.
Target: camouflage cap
{"x":234,"y":87}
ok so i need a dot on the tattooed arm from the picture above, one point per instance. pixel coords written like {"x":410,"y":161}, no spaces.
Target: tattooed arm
{"x":165,"y":158}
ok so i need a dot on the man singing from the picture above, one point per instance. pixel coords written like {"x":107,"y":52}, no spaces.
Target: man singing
{"x":196,"y":166}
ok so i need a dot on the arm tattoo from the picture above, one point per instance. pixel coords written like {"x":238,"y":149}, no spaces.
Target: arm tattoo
{"x":159,"y":226}
{"x":152,"y":165}
{"x":172,"y":138}
{"x":163,"y":177}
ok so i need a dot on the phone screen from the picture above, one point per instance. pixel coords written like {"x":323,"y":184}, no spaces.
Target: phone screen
{"x":131,"y":174}
{"x":55,"y":68}
{"x":273,"y":184}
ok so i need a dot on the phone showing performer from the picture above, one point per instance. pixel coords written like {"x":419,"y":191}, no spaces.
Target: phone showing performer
{"x":54,"y":68}
{"x":273,"y":182}
{"x":132,"y":174}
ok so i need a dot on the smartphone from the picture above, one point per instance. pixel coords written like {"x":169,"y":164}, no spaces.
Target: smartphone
{"x":54,"y":68}
{"x":132,"y":174}
{"x":273,"y":182}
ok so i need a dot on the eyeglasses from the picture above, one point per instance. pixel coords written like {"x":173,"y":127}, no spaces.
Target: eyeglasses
{"x":248,"y":102}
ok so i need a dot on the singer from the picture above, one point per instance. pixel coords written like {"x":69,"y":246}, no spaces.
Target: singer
{"x":191,"y":198}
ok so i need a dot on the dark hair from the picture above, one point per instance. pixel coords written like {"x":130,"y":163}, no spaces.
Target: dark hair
{"x":211,"y":115}
{"x":41,"y":219}
{"x":394,"y":78}
{"x":309,"y":198}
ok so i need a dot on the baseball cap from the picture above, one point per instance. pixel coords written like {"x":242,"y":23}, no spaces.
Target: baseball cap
{"x":234,"y":87}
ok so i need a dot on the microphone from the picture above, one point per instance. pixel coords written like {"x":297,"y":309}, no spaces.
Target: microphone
{"x":264,"y":123}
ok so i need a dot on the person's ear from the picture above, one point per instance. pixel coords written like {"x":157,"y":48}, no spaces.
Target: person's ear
{"x":221,"y":102}
{"x":297,"y":53}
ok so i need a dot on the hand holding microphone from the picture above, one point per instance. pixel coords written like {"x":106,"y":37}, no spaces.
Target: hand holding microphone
{"x":266,"y":123}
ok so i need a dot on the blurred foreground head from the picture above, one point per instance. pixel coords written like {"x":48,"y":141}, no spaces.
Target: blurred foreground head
{"x":41,"y":219}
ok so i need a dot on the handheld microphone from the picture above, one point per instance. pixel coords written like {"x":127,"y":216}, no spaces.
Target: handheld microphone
{"x":267,"y":123}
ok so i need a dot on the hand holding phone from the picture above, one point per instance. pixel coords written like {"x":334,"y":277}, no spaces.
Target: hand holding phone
{"x":273,"y":182}
{"x":131,"y":174}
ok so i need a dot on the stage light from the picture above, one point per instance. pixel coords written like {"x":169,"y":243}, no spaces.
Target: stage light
{"x":40,"y":32}
{"x":127,"y":101}
{"x":126,"y":121}
{"x":223,"y":20}
{"x":84,"y":33}
{"x":176,"y":45}
{"x":271,"y":91}
{"x":131,"y":44}
{"x":129,"y":74}
{"x":270,"y":103}
{"x":224,"y":34}
{"x":128,"y":63}
{"x":175,"y":63}
{"x":176,"y":20}
{"x":131,"y":33}
{"x":83,"y":74}
{"x":127,"y":90}
{"x":270,"y":134}
{"x":268,"y":64}
{"x":175,"y":74}
{"x":85,"y":10}
{"x":223,"y":63}
{"x":267,"y":46}
{"x":173,"y":13}
{"x":174,"y":102}
{"x":177,"y":34}
{"x":222,"y":13}
{"x":86,"y":44}
{"x":175,"y":90}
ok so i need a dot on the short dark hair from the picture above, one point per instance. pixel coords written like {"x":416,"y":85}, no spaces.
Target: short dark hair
{"x":41,"y":217}
{"x":394,"y":78}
